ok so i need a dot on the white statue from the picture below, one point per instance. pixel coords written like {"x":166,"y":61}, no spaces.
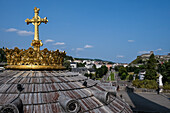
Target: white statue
{"x":160,"y":83}
{"x":160,"y":80}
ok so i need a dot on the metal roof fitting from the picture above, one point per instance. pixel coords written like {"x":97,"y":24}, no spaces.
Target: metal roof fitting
{"x":70,"y":105}
{"x":103,"y":96}
{"x":16,"y":106}
{"x":85,"y":83}
{"x":111,"y":89}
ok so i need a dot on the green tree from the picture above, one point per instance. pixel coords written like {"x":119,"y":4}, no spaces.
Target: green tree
{"x":111,"y":68}
{"x":137,"y":60}
{"x":2,"y":55}
{"x":142,"y":67}
{"x":130,"y":77}
{"x":166,"y":75}
{"x":122,"y":70}
{"x":101,"y":71}
{"x":151,"y":68}
{"x":123,"y":73}
{"x":68,"y":58}
{"x":94,"y":66}
{"x":80,"y":65}
{"x":123,"y":76}
{"x":136,"y":71}
{"x":88,"y":75}
{"x":66,"y":64}
{"x":164,"y":69}
{"x":116,"y":68}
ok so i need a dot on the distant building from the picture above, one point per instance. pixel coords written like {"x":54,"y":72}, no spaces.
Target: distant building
{"x":88,"y":61}
{"x":142,"y":74}
{"x":160,"y":58}
{"x":2,"y":69}
{"x":73,"y":65}
{"x":92,"y":71}
{"x":147,"y":55}
{"x":136,"y":65}
{"x":109,"y":66}
{"x":113,"y":66}
{"x":141,"y":60}
{"x":81,"y":70}
{"x":125,"y":65}
{"x":120,"y":64}
{"x":78,"y":61}
{"x":88,"y":66}
{"x":98,"y":65}
{"x":69,"y":60}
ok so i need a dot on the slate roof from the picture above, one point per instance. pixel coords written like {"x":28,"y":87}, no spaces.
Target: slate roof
{"x":42,"y":90}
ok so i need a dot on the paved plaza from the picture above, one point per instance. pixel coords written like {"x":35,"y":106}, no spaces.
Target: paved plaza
{"x":146,"y":102}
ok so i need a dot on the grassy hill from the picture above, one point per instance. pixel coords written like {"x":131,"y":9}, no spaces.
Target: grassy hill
{"x":138,"y":60}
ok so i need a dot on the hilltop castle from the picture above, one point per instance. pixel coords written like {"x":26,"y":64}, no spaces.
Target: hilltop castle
{"x":160,"y":58}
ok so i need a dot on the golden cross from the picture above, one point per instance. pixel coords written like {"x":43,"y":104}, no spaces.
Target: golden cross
{"x":36,"y":21}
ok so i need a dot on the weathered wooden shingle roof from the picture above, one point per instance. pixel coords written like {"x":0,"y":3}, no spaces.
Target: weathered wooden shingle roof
{"x":42,"y":90}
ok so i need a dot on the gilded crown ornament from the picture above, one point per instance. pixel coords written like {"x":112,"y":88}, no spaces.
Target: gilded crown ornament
{"x":34,"y":58}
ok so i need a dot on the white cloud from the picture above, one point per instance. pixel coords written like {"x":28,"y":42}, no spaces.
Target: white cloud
{"x":159,"y":49}
{"x":11,"y":30}
{"x":88,"y":46}
{"x":59,"y":43}
{"x":79,"y":49}
{"x":120,"y":56}
{"x":48,"y":40}
{"x":143,"y":52}
{"x":20,"y":32}
{"x":25,"y":33}
{"x":131,"y":41}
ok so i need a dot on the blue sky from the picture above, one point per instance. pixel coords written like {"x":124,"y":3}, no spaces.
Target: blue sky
{"x":115,"y":30}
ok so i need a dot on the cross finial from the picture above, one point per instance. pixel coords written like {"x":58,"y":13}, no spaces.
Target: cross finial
{"x":36,"y":10}
{"x":36,"y":21}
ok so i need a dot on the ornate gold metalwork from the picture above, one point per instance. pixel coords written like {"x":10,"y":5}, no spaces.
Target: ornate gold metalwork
{"x":34,"y":58}
{"x":36,"y":21}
